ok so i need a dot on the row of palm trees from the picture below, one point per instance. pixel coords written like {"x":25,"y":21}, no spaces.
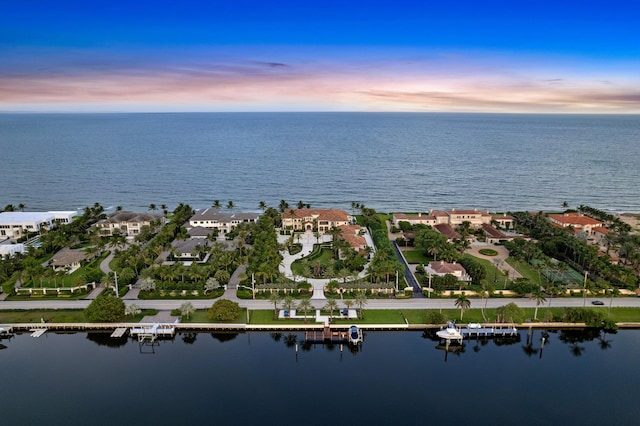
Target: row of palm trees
{"x":304,"y":305}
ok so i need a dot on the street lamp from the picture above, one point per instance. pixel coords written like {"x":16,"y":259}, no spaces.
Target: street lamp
{"x":584,"y":290}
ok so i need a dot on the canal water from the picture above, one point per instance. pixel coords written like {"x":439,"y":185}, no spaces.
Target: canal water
{"x":392,"y":378}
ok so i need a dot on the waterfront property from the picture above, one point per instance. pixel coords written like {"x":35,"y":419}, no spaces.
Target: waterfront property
{"x":127,"y":223}
{"x":68,"y":260}
{"x":213,"y":218}
{"x":454,"y":217}
{"x":442,"y":268}
{"x":14,"y":225}
{"x":577,"y":222}
{"x":317,"y":220}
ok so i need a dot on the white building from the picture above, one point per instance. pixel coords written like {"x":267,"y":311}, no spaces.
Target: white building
{"x":224,"y":222}
{"x":14,"y":224}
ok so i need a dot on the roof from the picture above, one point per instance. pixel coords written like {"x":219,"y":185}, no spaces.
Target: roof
{"x":126,"y":216}
{"x":223,"y":217}
{"x":601,"y":230}
{"x":468,"y":211}
{"x":447,"y":230}
{"x":25,"y":217}
{"x":331,"y":215}
{"x":492,"y":231}
{"x":442,"y":267}
{"x":67,"y":257}
{"x":188,"y":246}
{"x":574,"y":219}
{"x":199,"y":231}
{"x":350,"y":233}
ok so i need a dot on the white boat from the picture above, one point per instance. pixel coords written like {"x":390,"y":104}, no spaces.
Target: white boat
{"x":450,"y":333}
{"x":474,"y":325}
{"x":355,"y":335}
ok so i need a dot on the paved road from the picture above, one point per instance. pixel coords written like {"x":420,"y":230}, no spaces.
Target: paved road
{"x":371,"y":304}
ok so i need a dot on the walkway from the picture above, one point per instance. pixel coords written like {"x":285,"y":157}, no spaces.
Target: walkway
{"x":308,"y":240}
{"x":503,"y":253}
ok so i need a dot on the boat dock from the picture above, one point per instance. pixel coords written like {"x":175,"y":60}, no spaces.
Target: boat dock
{"x":119,"y":332}
{"x":152,"y":331}
{"x":37,"y":332}
{"x":326,"y":335}
{"x":6,"y":330}
{"x":468,"y":331}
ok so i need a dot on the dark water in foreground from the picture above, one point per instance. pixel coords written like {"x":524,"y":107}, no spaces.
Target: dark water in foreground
{"x":398,"y":378}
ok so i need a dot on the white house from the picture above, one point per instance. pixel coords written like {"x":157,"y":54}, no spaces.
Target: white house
{"x":14,"y":224}
{"x":442,"y":268}
{"x":224,"y":222}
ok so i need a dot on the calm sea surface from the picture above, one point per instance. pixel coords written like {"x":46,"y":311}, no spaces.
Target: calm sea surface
{"x":396,"y":378}
{"x":390,"y":162}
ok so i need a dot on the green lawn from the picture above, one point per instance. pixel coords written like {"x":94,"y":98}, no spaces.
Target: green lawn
{"x":492,"y":271}
{"x":376,"y":316}
{"x":200,"y":317}
{"x":324,"y":258}
{"x":526,"y":270}
{"x":266,"y":317}
{"x":416,"y":256}
{"x":57,"y":315}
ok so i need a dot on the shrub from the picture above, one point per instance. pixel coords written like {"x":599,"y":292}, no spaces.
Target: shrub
{"x":488,"y":252}
{"x":510,"y":313}
{"x":105,"y":308}
{"x":224,"y":310}
{"x":435,"y":317}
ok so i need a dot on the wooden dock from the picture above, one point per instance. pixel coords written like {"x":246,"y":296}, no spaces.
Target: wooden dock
{"x":326,"y":335}
{"x":119,"y":332}
{"x":488,"y":332}
{"x":37,"y":332}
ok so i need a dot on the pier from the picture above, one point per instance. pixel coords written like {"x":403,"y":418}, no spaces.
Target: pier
{"x":468,"y":332}
{"x":326,"y":335}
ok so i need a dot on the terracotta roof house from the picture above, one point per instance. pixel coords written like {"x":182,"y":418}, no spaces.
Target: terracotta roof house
{"x":414,"y":219}
{"x":68,"y":260}
{"x":129,"y":223}
{"x":455,"y":217}
{"x":442,"y":268}
{"x":321,"y":220}
{"x":351,"y":234}
{"x":224,"y":222}
{"x":577,"y":221}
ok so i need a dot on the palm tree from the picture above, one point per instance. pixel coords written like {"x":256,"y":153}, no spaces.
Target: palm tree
{"x":262,"y":205}
{"x":348,"y":303}
{"x":289,"y":304}
{"x":153,"y":207}
{"x":283,"y":206}
{"x":331,"y":306}
{"x":165,"y":209}
{"x":118,"y":208}
{"x":361,"y":300}
{"x":216,"y":204}
{"x":230,"y":205}
{"x":463,"y":303}
{"x":540,"y":298}
{"x":300,"y":205}
{"x":21,"y":207}
{"x":275,"y":298}
{"x":305,"y":306}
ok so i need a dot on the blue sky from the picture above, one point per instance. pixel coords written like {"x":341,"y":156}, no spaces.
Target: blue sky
{"x":502,"y":56}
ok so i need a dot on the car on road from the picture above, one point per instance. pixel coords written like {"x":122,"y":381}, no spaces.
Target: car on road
{"x":597,"y":302}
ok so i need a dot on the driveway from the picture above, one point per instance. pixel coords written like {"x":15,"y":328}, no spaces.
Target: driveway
{"x":503,"y":253}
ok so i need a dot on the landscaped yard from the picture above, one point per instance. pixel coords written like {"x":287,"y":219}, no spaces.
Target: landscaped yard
{"x":525,"y":270}
{"x":416,"y":256}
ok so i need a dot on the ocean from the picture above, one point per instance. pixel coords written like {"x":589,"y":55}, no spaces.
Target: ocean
{"x":388,"y":161}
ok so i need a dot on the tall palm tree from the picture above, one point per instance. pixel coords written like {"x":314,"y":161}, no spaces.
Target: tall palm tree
{"x":216,"y":204}
{"x":463,"y":303}
{"x":153,"y":207}
{"x":230,"y":205}
{"x":539,"y":298}
{"x":305,"y":306}
{"x":21,"y":207}
{"x":262,"y":205}
{"x":331,"y":306}
{"x":283,"y":206}
{"x":275,"y":298}
{"x":361,"y":300}
{"x":289,"y":304}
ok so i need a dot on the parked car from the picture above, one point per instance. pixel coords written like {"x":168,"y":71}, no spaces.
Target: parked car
{"x":597,"y":302}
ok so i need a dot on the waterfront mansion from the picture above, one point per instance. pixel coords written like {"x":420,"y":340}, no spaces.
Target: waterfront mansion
{"x":320,"y":220}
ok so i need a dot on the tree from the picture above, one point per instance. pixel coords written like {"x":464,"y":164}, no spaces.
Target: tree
{"x":361,"y":301}
{"x":21,"y":207}
{"x":463,"y":303}
{"x":262,"y":205}
{"x":331,"y":306}
{"x":540,"y":298}
{"x":105,"y":308}
{"x":305,"y":306}
{"x":274,"y":297}
{"x":224,"y":310}
{"x":148,"y":284}
{"x":132,"y":310}
{"x":153,"y":207}
{"x":230,"y":205}
{"x":216,"y":204}
{"x":348,"y":303}
{"x":288,"y":303}
{"x":510,"y":313}
{"x":187,"y":308}
{"x":210,"y":285}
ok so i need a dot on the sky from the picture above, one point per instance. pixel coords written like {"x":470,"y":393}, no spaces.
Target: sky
{"x":516,"y":56}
